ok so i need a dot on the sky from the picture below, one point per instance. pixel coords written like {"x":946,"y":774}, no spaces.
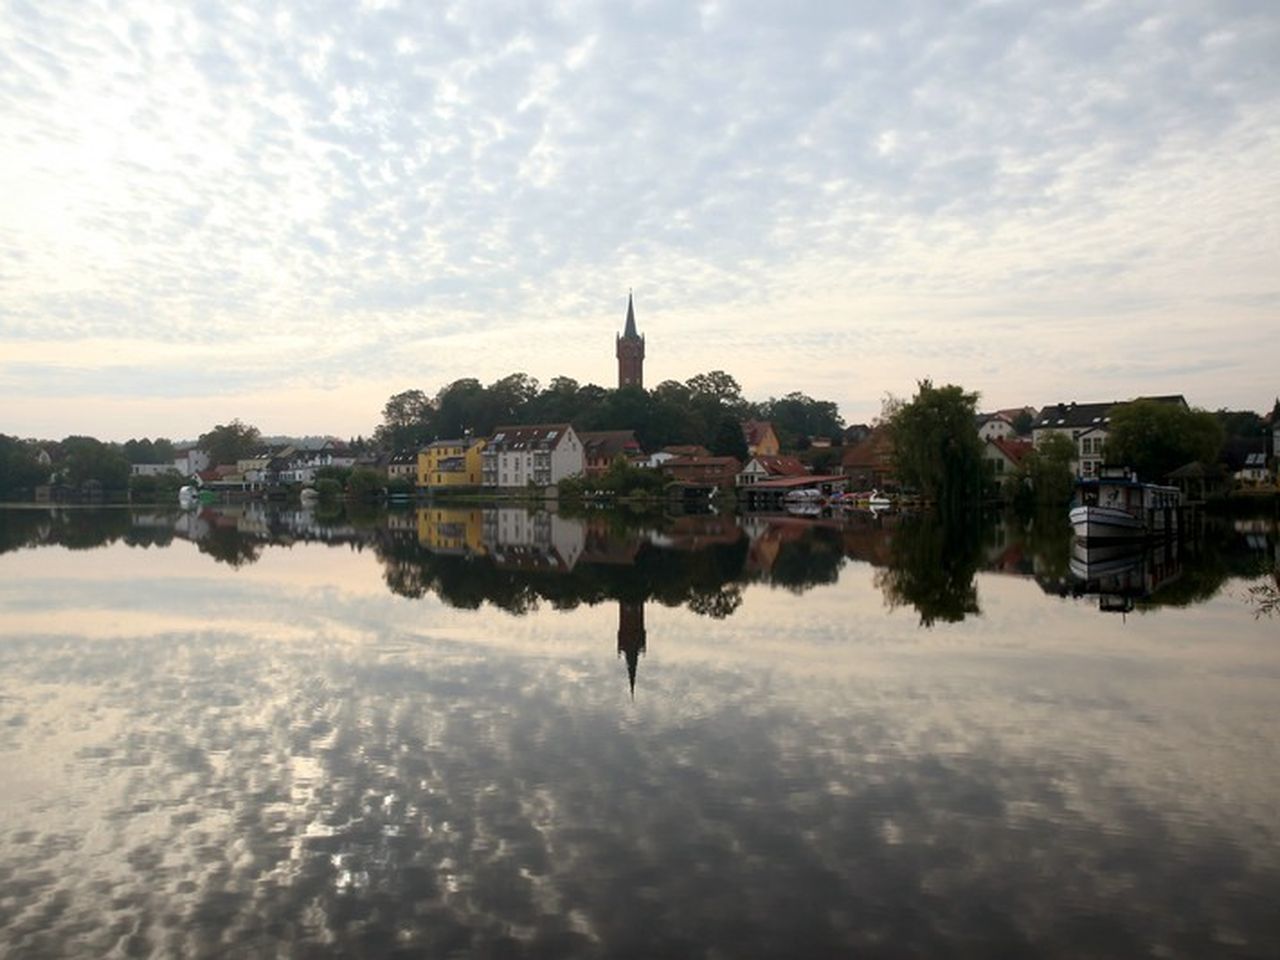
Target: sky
{"x":286,"y":213}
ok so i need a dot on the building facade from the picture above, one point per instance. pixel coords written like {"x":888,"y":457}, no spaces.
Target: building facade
{"x":451,"y":463}
{"x":539,"y":454}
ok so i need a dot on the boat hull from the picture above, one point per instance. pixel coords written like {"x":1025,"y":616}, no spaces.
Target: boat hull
{"x":1107,"y":523}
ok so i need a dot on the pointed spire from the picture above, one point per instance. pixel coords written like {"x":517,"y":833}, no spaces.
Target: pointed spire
{"x":630,"y":331}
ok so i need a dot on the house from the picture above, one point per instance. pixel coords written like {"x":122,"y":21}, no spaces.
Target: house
{"x":993,"y":425}
{"x":150,"y":469}
{"x":763,"y":468}
{"x":447,"y":464}
{"x":403,"y":465}
{"x":538,"y":454}
{"x":1087,"y":426}
{"x":1246,"y":459}
{"x":761,"y":438}
{"x":1004,"y":455}
{"x":302,"y":466}
{"x":869,"y":464}
{"x":601,"y":447}
{"x":702,"y":471}
{"x":189,"y":461}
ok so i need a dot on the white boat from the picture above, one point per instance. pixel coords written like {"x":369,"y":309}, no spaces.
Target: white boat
{"x":1118,"y":506}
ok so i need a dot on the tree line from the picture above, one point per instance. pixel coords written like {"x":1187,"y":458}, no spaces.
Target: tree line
{"x":707,"y":410}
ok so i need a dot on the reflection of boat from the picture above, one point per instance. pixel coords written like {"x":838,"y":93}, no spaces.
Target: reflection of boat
{"x":806,"y":496}
{"x":1117,"y":506}
{"x":1120,"y":574}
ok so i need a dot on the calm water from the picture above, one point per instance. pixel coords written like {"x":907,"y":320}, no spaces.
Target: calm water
{"x":489,"y":733}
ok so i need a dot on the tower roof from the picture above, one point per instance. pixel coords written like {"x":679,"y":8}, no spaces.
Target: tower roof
{"x":630,"y":331}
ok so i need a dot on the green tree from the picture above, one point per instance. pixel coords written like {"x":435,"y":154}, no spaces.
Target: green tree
{"x":936,"y":449}
{"x":797,"y":416}
{"x":86,"y":458}
{"x":366,"y":484}
{"x":728,"y":440}
{"x":1045,"y":475}
{"x":20,"y":471}
{"x":1022,"y":422}
{"x":227,"y":443}
{"x":406,"y":421}
{"x":1156,"y":438}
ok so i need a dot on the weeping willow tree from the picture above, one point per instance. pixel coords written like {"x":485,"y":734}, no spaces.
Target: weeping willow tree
{"x":936,"y":450}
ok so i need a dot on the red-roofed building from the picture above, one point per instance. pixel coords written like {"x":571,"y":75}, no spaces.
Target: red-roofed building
{"x":1004,"y":455}
{"x":770,"y":468}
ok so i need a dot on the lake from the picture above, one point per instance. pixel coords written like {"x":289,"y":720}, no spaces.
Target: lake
{"x":488,"y":732}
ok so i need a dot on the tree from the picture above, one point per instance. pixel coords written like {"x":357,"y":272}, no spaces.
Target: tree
{"x":1156,"y":438}
{"x":936,"y":449}
{"x":19,"y":468}
{"x":85,"y":459}
{"x":406,"y":421}
{"x":728,"y":440}
{"x":227,"y":443}
{"x":1045,"y":475}
{"x":797,"y":416}
{"x":1022,"y":421}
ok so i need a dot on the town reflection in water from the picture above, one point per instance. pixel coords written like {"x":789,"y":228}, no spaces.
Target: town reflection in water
{"x":253,"y":731}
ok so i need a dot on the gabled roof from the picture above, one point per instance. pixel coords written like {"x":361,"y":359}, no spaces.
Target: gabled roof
{"x":687,"y":450}
{"x":1015,"y":450}
{"x":1074,"y":415}
{"x":527,"y":436}
{"x":781,"y":466}
{"x":874,"y":452}
{"x":609,"y":443}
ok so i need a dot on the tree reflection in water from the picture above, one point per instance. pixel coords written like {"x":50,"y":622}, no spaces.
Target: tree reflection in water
{"x":933,"y":563}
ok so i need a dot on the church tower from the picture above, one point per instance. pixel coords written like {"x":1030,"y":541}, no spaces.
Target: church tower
{"x":631,"y":637}
{"x":630,"y":352}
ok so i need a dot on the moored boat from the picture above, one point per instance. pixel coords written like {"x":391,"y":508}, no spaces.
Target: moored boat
{"x":1116,"y":505}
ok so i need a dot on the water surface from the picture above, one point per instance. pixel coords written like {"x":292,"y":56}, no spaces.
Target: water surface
{"x":483,"y":732}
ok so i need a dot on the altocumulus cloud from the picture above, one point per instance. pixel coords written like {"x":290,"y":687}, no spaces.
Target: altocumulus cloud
{"x":955,"y":190}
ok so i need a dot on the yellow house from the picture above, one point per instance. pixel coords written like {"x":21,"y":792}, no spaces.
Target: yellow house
{"x":451,"y":530}
{"x":761,"y":439}
{"x":450,"y":463}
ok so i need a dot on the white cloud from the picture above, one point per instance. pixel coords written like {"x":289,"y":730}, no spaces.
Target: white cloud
{"x":973,"y":188}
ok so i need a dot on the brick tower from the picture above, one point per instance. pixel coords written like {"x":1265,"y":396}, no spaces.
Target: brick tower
{"x":630,"y":352}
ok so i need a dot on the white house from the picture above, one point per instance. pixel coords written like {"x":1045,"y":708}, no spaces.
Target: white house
{"x":994,"y":426}
{"x":190,"y":461}
{"x":539,"y":454}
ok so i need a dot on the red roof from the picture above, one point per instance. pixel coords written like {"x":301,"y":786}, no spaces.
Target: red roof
{"x":782,"y":466}
{"x":1015,"y":450}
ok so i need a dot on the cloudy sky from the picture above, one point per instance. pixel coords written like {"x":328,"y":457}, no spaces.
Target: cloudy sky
{"x":286,"y":213}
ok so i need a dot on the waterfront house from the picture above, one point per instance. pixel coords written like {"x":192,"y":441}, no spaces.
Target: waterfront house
{"x":451,"y":464}
{"x":761,"y":468}
{"x":537,"y":454}
{"x":702,"y":471}
{"x":403,"y":465}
